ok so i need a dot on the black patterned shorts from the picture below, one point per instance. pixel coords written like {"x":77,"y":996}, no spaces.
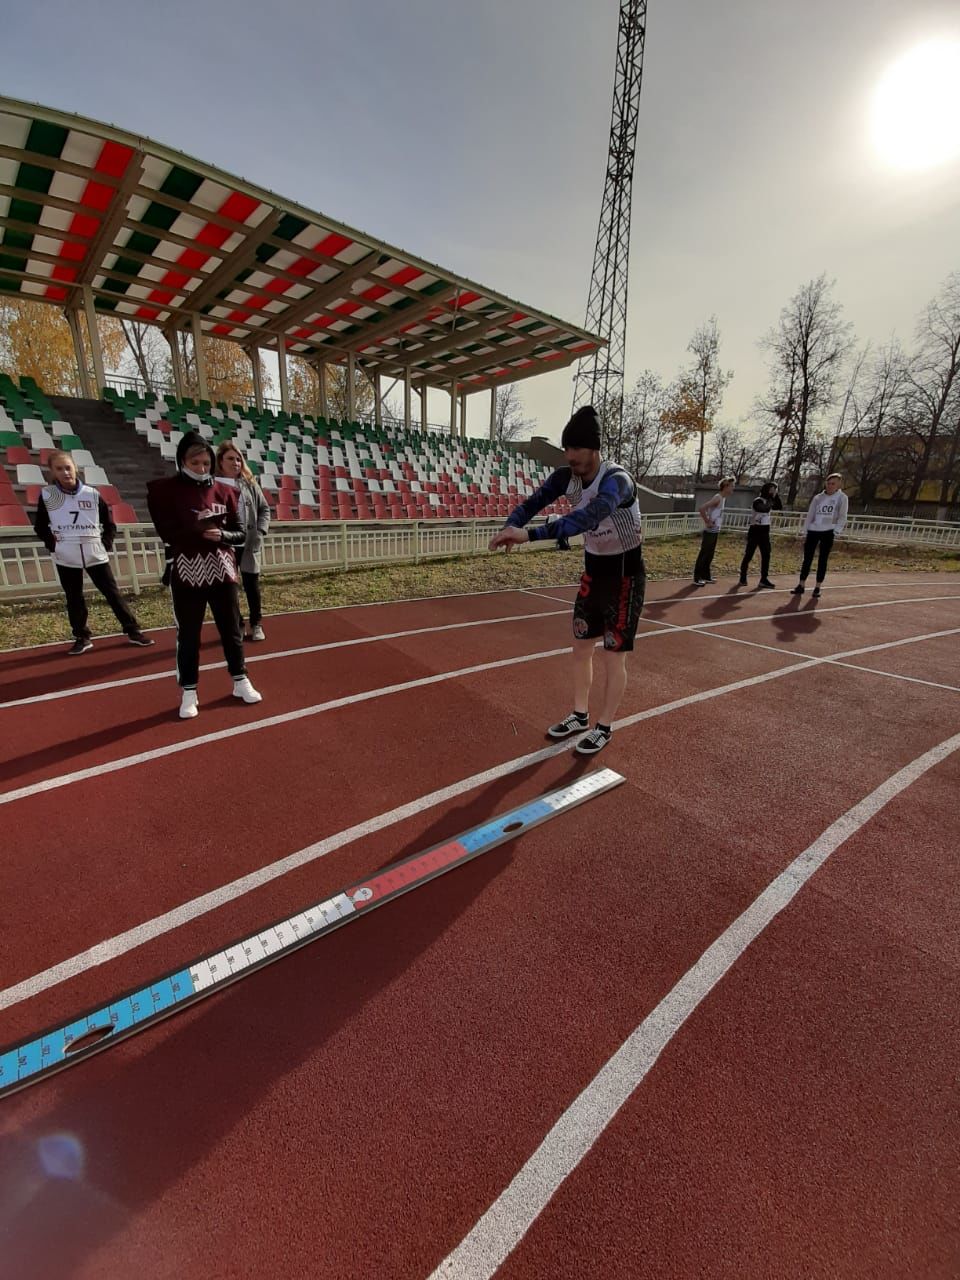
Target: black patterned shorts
{"x":609,"y":605}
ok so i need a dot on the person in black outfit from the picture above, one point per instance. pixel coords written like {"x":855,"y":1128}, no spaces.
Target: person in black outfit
{"x":758,"y":534}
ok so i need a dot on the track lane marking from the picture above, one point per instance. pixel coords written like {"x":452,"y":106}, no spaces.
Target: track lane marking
{"x":504,"y":1224}
{"x":140,"y":934}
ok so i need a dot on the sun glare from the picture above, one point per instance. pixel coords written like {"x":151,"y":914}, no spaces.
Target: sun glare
{"x":915,"y":121}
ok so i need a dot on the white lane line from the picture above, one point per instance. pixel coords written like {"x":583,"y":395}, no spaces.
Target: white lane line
{"x":851,"y":666}
{"x":269,"y":722}
{"x":140,"y":934}
{"x":457,"y":626}
{"x":58,"y":694}
{"x":694,"y":597}
{"x":506,"y":1222}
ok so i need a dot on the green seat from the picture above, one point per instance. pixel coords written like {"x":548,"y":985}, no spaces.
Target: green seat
{"x":71,"y":442}
{"x":10,"y":440}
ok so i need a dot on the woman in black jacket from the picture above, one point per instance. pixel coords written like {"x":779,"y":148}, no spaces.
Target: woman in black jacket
{"x":758,"y":533}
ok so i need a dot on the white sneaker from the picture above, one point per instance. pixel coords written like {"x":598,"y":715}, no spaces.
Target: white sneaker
{"x":242,"y":688}
{"x":257,"y":633}
{"x":189,"y":704}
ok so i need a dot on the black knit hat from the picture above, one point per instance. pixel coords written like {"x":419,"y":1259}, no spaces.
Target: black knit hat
{"x":194,"y":440}
{"x":582,"y":431}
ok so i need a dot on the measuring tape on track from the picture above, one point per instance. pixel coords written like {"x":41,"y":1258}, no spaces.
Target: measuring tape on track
{"x":64,"y":1046}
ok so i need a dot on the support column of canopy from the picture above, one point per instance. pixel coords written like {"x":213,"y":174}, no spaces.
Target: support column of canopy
{"x":282,"y":367}
{"x":93,"y":334}
{"x":377,"y":401}
{"x":453,"y":407}
{"x":493,"y":413}
{"x":463,"y":415}
{"x":199,"y":361}
{"x":73,"y":320}
{"x":254,"y":354}
{"x":407,"y":388}
{"x":176,"y":364}
{"x":322,"y":378}
{"x":423,"y":407}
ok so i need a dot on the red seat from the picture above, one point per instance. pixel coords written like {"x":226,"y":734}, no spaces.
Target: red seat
{"x":288,"y":482}
{"x":123,"y":513}
{"x":19,"y":456}
{"x":33,"y":492}
{"x":109,"y":493}
{"x":10,"y":516}
{"x":285,"y":512}
{"x":306,"y":513}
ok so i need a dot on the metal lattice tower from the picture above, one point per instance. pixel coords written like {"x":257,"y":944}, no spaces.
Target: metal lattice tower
{"x":599,"y":378}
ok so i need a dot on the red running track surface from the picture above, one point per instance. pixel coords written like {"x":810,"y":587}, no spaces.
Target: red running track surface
{"x":353,"y":1110}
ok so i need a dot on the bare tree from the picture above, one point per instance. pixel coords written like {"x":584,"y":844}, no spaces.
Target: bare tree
{"x":644,"y":438}
{"x":697,"y":394}
{"x":732,"y":454}
{"x":868,"y":435}
{"x":508,"y":420}
{"x":807,"y":350}
{"x":933,"y":376}
{"x":149,"y":352}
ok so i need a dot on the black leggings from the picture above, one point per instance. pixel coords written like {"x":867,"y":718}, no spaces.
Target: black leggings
{"x":825,"y":541}
{"x":708,"y":545}
{"x":189,"y":607}
{"x":758,"y":535}
{"x":251,"y":589}
{"x":101,"y":575}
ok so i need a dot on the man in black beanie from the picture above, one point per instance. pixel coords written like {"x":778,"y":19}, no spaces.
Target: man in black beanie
{"x":605,"y":510}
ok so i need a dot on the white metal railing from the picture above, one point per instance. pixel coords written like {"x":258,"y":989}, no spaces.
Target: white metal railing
{"x":26,"y":569}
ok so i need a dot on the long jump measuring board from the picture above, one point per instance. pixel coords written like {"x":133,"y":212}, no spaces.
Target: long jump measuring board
{"x":64,"y":1046}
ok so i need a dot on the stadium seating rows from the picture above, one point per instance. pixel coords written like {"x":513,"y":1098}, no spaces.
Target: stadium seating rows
{"x":309,"y":469}
{"x":331,"y":470}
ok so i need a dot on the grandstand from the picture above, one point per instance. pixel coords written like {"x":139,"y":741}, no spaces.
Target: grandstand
{"x":95,"y":221}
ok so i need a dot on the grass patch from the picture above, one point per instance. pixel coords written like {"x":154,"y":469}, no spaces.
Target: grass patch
{"x":35,"y":622}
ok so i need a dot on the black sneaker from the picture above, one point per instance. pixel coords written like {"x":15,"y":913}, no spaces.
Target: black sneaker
{"x":80,"y":645}
{"x":594,"y":741}
{"x":743,"y":583}
{"x":139,"y":639}
{"x":797,"y":590}
{"x":568,"y":727}
{"x":816,"y":593}
{"x":765,"y":582}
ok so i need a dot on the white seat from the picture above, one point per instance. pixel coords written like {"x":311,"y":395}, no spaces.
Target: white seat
{"x":270,"y":469}
{"x":193,"y":419}
{"x":307,"y":498}
{"x":342,"y":485}
{"x":95,"y":475}
{"x":152,"y":415}
{"x":168,"y":450}
{"x":216,"y":413}
{"x":155,"y":437}
{"x":32,"y":424}
{"x":162,"y":406}
{"x":268,"y":481}
{"x":58,"y":429}
{"x":246,"y":423}
{"x":41,"y":440}
{"x":176,"y":437}
{"x":142,"y":426}
{"x":30,"y":473}
{"x":234,"y":414}
{"x":82,"y":457}
{"x":205,"y":431}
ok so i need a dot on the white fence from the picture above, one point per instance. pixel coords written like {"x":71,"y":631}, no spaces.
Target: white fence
{"x":26,"y":569}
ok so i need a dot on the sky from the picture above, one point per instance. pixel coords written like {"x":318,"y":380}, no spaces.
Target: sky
{"x":473,"y":133}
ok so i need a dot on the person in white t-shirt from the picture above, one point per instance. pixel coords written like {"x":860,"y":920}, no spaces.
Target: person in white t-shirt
{"x":711,"y":513}
{"x":825,"y":519}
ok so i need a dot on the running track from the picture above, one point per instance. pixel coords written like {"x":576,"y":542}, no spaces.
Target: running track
{"x":704,"y":1025}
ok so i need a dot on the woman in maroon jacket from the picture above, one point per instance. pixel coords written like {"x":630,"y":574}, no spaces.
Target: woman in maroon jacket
{"x":197,"y":518}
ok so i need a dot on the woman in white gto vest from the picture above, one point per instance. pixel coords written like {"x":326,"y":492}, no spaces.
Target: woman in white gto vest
{"x":73,"y":523}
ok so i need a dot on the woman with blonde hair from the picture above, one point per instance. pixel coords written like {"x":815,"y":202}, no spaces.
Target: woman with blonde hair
{"x":73,"y":522}
{"x":232,"y":470}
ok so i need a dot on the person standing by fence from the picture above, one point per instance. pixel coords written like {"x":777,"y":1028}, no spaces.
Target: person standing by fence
{"x":758,"y":534}
{"x":824,"y":521}
{"x":232,"y":470}
{"x":711,"y":513}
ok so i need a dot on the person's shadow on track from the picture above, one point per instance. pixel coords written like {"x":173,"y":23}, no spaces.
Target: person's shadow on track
{"x":656,"y":608}
{"x":142,"y":1118}
{"x":794,"y":620}
{"x":722,"y":605}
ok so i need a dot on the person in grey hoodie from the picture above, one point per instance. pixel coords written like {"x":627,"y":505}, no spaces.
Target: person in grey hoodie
{"x":825,"y":519}
{"x":232,"y":470}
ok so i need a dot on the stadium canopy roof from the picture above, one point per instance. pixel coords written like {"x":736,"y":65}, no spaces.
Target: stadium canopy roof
{"x":91,"y":216}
